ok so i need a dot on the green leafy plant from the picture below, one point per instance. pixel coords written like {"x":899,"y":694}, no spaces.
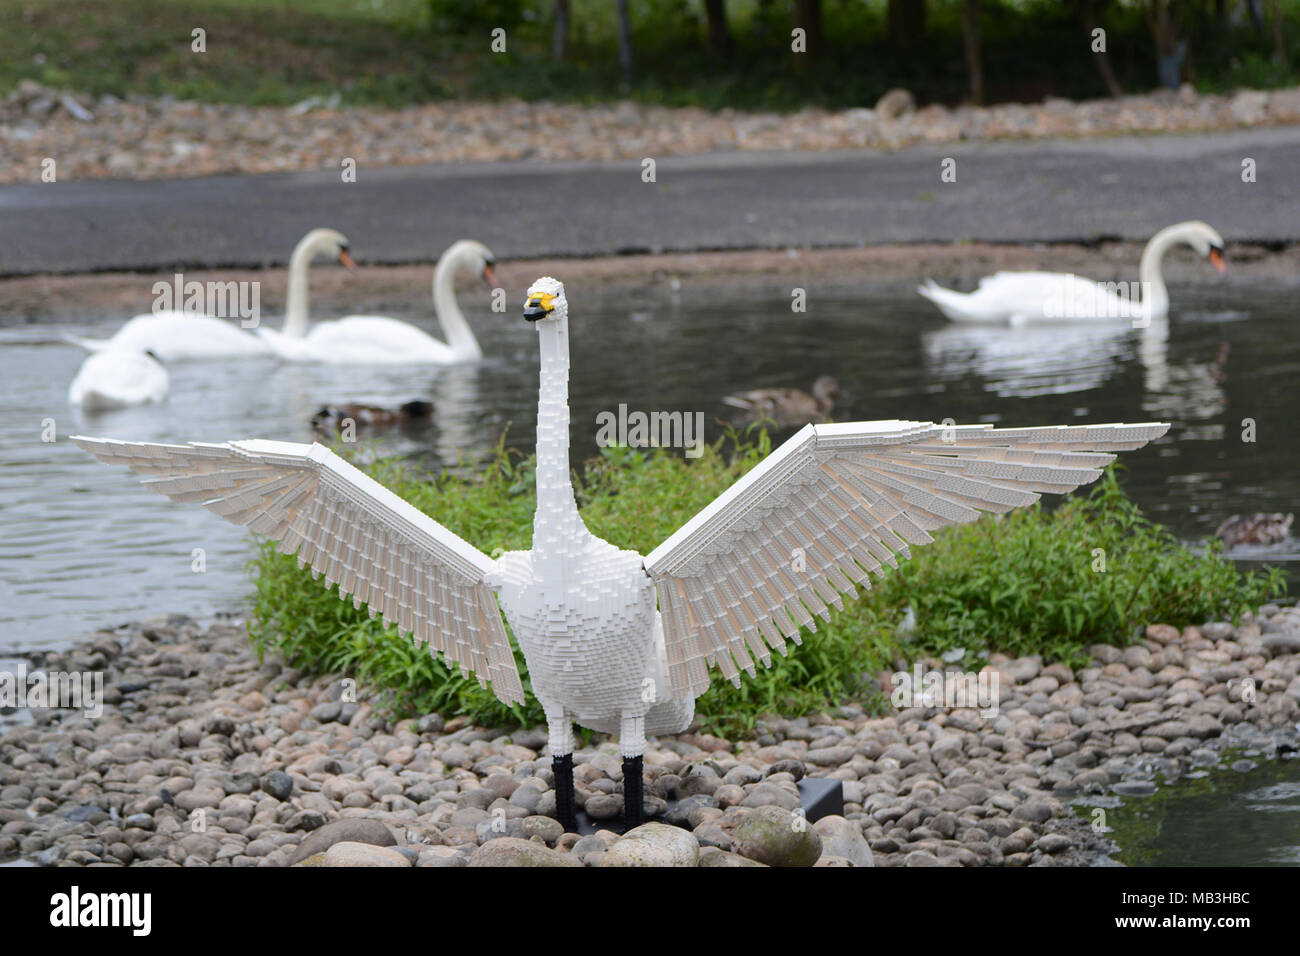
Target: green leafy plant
{"x":1022,"y":583}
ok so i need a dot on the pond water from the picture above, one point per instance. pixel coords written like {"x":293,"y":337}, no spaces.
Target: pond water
{"x":1245,"y":812}
{"x":84,"y":546}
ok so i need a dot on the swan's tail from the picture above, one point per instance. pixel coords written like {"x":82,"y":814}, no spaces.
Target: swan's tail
{"x":956,"y":306}
{"x":90,"y":345}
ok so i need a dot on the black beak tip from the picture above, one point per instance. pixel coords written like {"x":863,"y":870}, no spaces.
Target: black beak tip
{"x":535,"y":313}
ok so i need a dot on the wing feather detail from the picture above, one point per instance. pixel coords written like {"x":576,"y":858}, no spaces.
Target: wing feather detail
{"x":350,"y":530}
{"x":834,"y":504}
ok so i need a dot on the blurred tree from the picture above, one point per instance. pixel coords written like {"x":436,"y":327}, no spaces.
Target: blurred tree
{"x":970,"y":31}
{"x":560,"y":39}
{"x":624,"y":40}
{"x":1279,"y":38}
{"x":1088,"y":17}
{"x":1166,"y":26}
{"x":715,"y":12}
{"x":808,"y":17}
{"x":475,"y":16}
{"x":906,"y":20}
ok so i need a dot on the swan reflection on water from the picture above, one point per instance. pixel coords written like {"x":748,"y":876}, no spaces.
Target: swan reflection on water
{"x":1055,"y":360}
{"x":1030,"y":360}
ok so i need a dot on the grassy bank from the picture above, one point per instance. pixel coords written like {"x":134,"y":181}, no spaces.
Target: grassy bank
{"x":401,"y":51}
{"x":1026,"y":583}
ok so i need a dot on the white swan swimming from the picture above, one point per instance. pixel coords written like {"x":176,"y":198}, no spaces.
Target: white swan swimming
{"x":177,"y":335}
{"x":376,"y":340}
{"x":615,"y":641}
{"x":1019,"y":298}
{"x":118,"y":377}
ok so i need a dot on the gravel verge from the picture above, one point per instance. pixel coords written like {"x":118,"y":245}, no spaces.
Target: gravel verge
{"x":161,"y":137}
{"x":204,"y":756}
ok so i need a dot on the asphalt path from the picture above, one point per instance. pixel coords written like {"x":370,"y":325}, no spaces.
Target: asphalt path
{"x":1047,"y":191}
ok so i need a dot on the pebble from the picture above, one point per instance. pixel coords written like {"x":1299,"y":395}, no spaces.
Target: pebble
{"x":843,"y":839}
{"x":278,"y":784}
{"x":511,"y":851}
{"x":654,"y":844}
{"x":776,"y":837}
{"x":358,"y":854}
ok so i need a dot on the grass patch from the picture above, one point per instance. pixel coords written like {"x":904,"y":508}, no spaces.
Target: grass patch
{"x":1023,"y":583}
{"x":392,"y":52}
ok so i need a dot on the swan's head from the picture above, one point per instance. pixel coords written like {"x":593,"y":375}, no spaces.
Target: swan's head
{"x":545,"y":301}
{"x":326,"y":243}
{"x":475,"y":257}
{"x":1205,"y":240}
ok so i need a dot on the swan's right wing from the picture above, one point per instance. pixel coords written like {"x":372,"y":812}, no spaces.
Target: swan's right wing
{"x":378,"y":548}
{"x":834,"y":503}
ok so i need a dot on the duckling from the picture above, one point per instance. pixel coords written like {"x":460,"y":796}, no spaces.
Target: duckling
{"x":1254,"y":529}
{"x":788,"y":407}
{"x":334,"y":417}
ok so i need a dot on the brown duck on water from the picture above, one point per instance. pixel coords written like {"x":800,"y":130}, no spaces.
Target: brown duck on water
{"x":1258,"y":528}
{"x":788,"y":406}
{"x":335,"y":417}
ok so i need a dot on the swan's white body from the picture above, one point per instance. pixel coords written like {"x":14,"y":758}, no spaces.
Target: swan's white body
{"x":1019,"y":298}
{"x":118,"y":378}
{"x":583,"y":610}
{"x":180,"y":336}
{"x":830,"y":506}
{"x":377,"y":340}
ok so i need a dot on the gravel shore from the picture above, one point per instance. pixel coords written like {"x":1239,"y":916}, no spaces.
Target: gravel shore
{"x":204,"y":756}
{"x":374,"y":288}
{"x":149,"y":138}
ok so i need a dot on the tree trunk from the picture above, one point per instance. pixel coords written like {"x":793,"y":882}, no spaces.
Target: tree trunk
{"x":1279,"y":37}
{"x":970,"y":30}
{"x":715,"y":11}
{"x":808,"y":16}
{"x":1256,"y":8}
{"x":906,"y":23}
{"x":624,"y":40}
{"x":1170,"y":51}
{"x":560,"y":41}
{"x":1089,"y":17}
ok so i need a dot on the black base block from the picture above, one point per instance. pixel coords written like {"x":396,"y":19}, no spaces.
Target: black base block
{"x":821,"y":797}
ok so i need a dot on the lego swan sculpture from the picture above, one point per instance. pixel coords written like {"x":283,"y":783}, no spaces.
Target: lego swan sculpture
{"x":615,"y":641}
{"x":1018,"y":298}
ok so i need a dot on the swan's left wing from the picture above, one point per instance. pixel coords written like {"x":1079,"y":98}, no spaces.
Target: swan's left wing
{"x":834,"y":503}
{"x":382,"y":550}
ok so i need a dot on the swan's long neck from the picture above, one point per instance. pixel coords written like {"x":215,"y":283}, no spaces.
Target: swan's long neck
{"x":296,"y":307}
{"x":1155,"y":297}
{"x":459,"y":335}
{"x":557,"y":528}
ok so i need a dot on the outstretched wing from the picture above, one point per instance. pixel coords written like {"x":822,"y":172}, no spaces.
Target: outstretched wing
{"x":345,"y":525}
{"x":834,"y":503}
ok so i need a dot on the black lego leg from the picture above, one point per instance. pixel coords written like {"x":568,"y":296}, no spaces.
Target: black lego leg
{"x":633,"y":793}
{"x":562,"y":767}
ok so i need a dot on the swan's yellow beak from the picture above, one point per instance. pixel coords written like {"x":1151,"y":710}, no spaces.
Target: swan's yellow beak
{"x":1216,"y":260}
{"x":538,"y":306}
